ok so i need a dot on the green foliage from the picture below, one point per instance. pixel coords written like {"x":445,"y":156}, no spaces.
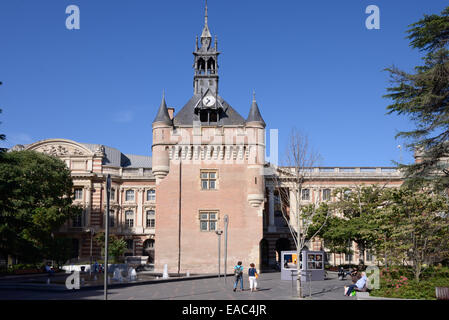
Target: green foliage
{"x":399,"y":283}
{"x":116,"y":246}
{"x":353,"y":219}
{"x":35,"y":200}
{"x":423,"y":96}
{"x":59,"y":250}
{"x":415,"y":226}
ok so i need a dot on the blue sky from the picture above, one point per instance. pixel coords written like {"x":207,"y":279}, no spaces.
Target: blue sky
{"x":314,"y":66}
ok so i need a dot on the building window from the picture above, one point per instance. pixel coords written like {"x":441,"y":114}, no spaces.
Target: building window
{"x":208,"y":221}
{"x":111,"y":218}
{"x":78,"y":194}
{"x":369,"y":255}
{"x":151,"y":195}
{"x":129,"y":218}
{"x":129,"y":195}
{"x":129,"y":246}
{"x":150,"y":219}
{"x":326,"y":194}
{"x":112,"y":194}
{"x":348,"y":257}
{"x":209,"y":179}
{"x":77,"y":220}
{"x":305,"y":194}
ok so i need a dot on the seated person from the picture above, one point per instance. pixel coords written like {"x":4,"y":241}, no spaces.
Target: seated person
{"x":49,"y":269}
{"x":360,"y":284}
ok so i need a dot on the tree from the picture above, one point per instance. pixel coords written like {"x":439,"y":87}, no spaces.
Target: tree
{"x":116,"y":246}
{"x":331,"y":229}
{"x":423,"y":96}
{"x":288,"y":183}
{"x":358,"y":207}
{"x":2,"y":136}
{"x":420,"y":232}
{"x":35,"y":201}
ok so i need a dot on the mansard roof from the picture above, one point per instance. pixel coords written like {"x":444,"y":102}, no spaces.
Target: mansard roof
{"x":113,"y":157}
{"x":228,"y":116}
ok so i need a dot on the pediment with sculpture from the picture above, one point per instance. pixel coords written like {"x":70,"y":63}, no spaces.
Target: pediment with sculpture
{"x":60,"y":148}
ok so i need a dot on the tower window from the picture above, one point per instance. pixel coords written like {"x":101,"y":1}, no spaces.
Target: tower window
{"x":208,"y":221}
{"x":213,"y":116}
{"x":204,"y":116}
{"x":209,"y":180}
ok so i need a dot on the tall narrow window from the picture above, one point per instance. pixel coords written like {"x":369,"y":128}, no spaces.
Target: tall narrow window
{"x":78,"y":194}
{"x":305,"y":194}
{"x":77,"y":220}
{"x":208,"y":221}
{"x":129,"y":218}
{"x":209,"y":179}
{"x":112,"y":194}
{"x":111,"y":218}
{"x":150,"y":219}
{"x":151,"y":195}
{"x":326,"y":194}
{"x":129,"y":195}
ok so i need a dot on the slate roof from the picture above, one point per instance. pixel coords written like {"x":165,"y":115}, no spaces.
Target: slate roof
{"x":162,"y":114}
{"x":117,"y":159}
{"x":228,"y":116}
{"x":254,"y":114}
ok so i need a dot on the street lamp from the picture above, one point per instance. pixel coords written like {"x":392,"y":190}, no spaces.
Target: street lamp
{"x":92,"y":232}
{"x":219,"y":233}
{"x":226,"y":221}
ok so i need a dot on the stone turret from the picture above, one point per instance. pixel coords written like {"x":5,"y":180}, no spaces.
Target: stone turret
{"x":162,"y":125}
{"x":255,"y":128}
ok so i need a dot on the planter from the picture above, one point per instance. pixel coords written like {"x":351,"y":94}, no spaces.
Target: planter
{"x":26,"y":271}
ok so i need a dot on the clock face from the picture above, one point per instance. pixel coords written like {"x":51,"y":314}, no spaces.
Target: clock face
{"x":209,"y":101}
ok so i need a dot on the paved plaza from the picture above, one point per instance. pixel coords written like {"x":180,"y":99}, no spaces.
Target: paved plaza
{"x":270,"y":288}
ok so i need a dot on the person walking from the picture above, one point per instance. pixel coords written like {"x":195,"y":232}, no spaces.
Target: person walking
{"x":238,"y":275}
{"x":252,"y":276}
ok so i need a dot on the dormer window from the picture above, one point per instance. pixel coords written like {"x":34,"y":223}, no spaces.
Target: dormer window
{"x":208,"y":116}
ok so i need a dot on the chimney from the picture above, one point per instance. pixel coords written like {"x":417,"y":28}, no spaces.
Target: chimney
{"x":171,"y":112}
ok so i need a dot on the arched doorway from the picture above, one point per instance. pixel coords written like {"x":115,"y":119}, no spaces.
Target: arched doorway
{"x":148,"y":250}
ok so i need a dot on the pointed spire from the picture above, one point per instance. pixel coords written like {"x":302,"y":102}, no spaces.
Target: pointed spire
{"x":206,"y":32}
{"x":254,"y":113}
{"x":162,"y":114}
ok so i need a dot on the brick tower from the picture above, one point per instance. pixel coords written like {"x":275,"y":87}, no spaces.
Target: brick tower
{"x":208,"y":161}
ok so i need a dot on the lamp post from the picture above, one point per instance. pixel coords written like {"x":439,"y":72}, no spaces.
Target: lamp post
{"x":92,"y":232}
{"x":219,"y":233}
{"x":226,"y":221}
{"x":106,"y":236}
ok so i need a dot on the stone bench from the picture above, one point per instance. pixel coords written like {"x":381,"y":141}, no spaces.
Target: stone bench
{"x":442,"y":293}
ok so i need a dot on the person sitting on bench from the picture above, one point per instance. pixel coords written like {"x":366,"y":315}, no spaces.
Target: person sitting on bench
{"x":359,"y":285}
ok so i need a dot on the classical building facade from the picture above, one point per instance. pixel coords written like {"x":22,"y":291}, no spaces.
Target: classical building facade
{"x":207,"y":166}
